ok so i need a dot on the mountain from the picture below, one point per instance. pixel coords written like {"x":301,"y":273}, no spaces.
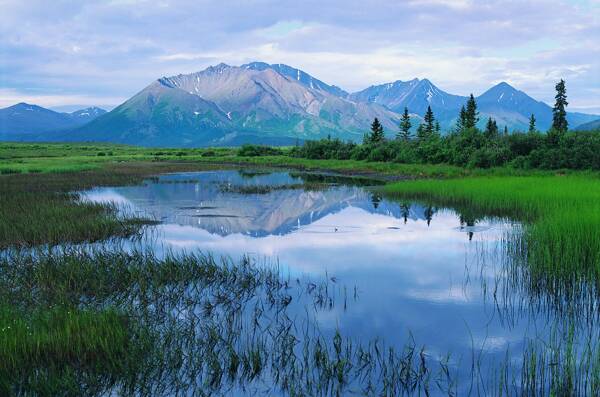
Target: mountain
{"x":228,"y":105}
{"x":86,"y":115}
{"x":266,"y":104}
{"x":416,"y":95}
{"x":30,"y":120}
{"x":589,"y":126}
{"x":502,"y":102}
{"x":300,"y":76}
{"x":513,"y":108}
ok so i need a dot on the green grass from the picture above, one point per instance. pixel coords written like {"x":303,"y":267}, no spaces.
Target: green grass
{"x":45,"y":208}
{"x":60,"y":351}
{"x":82,"y":322}
{"x":562,"y":215}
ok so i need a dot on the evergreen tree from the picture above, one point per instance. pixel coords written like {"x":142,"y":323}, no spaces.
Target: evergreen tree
{"x":532,"y":128}
{"x":405,"y":125}
{"x":376,"y":132}
{"x":559,"y":112}
{"x":438,"y":130}
{"x":471,"y":116}
{"x":491,"y":129}
{"x":429,"y":120}
{"x":421,"y":132}
{"x":462,"y":119}
{"x":505,"y":130}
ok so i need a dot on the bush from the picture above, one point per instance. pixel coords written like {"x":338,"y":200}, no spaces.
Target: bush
{"x":325,"y":149}
{"x":258,"y":150}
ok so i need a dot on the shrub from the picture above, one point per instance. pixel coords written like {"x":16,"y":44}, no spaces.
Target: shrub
{"x":258,"y":150}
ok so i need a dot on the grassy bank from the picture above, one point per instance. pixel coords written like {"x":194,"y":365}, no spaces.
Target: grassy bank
{"x":44,"y":208}
{"x":562,"y":214}
{"x":18,"y":158}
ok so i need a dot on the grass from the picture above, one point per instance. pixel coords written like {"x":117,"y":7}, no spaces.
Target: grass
{"x":99,"y":321}
{"x":75,"y":157}
{"x":55,"y":350}
{"x":562,"y":215}
{"x":108,"y":320}
{"x":45,"y":208}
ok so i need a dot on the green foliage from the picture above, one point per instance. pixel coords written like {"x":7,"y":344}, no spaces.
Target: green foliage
{"x":532,"y":120}
{"x":258,"y":150}
{"x":559,"y":112}
{"x":405,"y":126}
{"x":377,"y":134}
{"x":325,"y":149}
{"x":471,"y":115}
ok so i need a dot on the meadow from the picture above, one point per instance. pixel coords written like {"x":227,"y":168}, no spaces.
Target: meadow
{"x":77,"y":322}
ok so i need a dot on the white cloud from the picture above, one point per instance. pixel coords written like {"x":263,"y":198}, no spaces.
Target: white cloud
{"x":9,"y":97}
{"x":113,"y":49}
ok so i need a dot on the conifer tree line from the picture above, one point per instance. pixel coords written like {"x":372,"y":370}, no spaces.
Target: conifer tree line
{"x":468,"y":145}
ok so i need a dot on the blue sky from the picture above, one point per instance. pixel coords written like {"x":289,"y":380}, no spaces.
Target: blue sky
{"x":65,"y":54}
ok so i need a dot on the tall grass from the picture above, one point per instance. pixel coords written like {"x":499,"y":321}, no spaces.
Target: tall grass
{"x":45,"y":208}
{"x":60,"y":351}
{"x":562,"y":215}
{"x":99,"y":322}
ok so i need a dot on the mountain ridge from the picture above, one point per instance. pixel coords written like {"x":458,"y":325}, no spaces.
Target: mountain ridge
{"x":266,"y":103}
{"x":24,"y":118}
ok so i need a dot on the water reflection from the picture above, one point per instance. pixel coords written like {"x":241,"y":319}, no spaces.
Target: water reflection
{"x":416,"y":269}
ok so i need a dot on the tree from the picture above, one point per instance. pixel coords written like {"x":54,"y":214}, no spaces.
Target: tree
{"x":559,"y":112}
{"x":376,"y":132}
{"x":405,"y":125}
{"x":421,"y":132}
{"x":437,"y":128}
{"x":532,"y":128}
{"x":471,"y":116}
{"x":462,"y":119}
{"x":429,"y":120}
{"x":505,"y":130}
{"x":491,"y":129}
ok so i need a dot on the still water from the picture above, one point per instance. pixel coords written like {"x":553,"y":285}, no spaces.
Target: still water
{"x":402,"y":271}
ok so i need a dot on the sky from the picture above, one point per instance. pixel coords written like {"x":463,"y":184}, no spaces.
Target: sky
{"x":69,"y":54}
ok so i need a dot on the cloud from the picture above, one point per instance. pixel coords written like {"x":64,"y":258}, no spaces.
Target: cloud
{"x":110,"y":50}
{"x":9,"y":97}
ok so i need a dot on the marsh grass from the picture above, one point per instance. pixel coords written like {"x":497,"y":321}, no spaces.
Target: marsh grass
{"x":188,"y":322}
{"x":45,"y":208}
{"x":101,"y":321}
{"x":58,"y":351}
{"x":561,"y":238}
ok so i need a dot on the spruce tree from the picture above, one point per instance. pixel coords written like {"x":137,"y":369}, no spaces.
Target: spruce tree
{"x":471,"y":116}
{"x":437,"y":128}
{"x":559,"y":112}
{"x":405,"y":125}
{"x":505,"y":130}
{"x":421,"y":132}
{"x":462,"y":119}
{"x":491,"y":129}
{"x":532,"y":128}
{"x":429,"y":120}
{"x":376,"y":132}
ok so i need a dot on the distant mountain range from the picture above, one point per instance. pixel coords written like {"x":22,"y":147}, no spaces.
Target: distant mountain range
{"x":592,"y":125}
{"x":262,"y":103}
{"x":22,"y":121}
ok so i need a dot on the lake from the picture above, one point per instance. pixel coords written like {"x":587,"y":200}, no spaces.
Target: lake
{"x":424,"y":280}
